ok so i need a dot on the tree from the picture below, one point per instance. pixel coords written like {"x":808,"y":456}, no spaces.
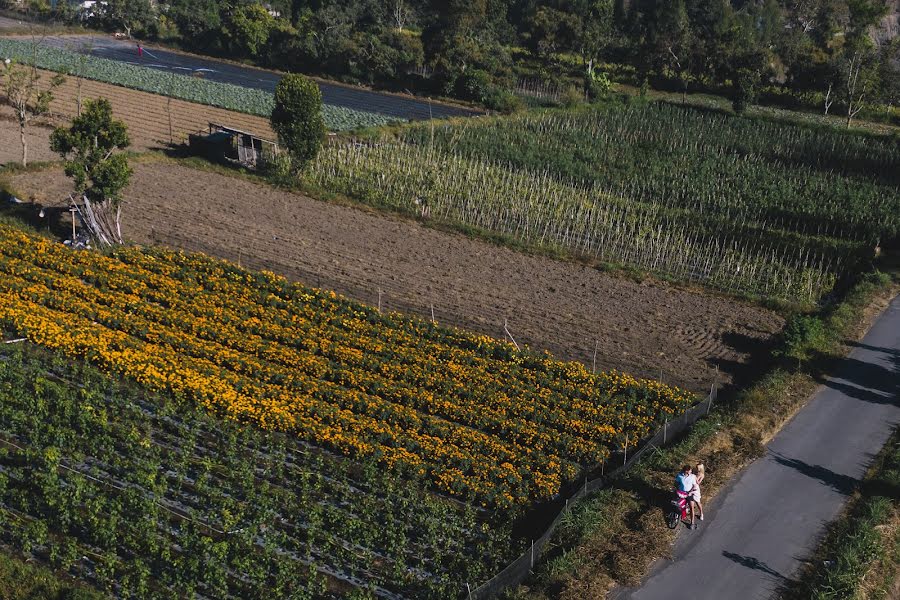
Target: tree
{"x":859,"y":78}
{"x":248,"y":28}
{"x":24,"y":94}
{"x":130,"y":15}
{"x":99,"y":173}
{"x":297,"y":118}
{"x":672,"y":41}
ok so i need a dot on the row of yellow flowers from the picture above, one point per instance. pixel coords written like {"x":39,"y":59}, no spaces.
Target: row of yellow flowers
{"x":484,"y":421}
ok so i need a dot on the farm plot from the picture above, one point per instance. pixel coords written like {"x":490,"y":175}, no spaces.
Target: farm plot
{"x":11,"y":146}
{"x":192,"y":89}
{"x":483,"y":421}
{"x":149,"y":116}
{"x":576,"y":312}
{"x":147,"y":496}
{"x":747,"y":206}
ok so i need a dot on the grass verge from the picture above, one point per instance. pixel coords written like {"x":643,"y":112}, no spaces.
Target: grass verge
{"x":613,"y":537}
{"x":860,"y":555}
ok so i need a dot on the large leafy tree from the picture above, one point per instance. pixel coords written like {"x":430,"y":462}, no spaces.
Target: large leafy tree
{"x":247,"y":28}
{"x":297,"y":118}
{"x":100,"y":173}
{"x":134,"y":16}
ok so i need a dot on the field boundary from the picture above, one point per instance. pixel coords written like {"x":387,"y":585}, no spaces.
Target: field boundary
{"x":516,"y":572}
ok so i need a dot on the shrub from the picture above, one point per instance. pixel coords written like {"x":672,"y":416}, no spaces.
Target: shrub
{"x":503,"y":101}
{"x":802,"y":338}
{"x":474,"y":85}
{"x":297,"y":118}
{"x":571,"y":97}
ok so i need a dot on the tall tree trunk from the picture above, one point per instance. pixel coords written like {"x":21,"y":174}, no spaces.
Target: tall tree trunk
{"x":24,"y":143}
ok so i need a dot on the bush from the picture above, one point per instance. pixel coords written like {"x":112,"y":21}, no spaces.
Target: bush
{"x":297,"y":118}
{"x":803,"y":337}
{"x":597,"y":86}
{"x":475,"y":86}
{"x":571,"y":97}
{"x":503,"y":101}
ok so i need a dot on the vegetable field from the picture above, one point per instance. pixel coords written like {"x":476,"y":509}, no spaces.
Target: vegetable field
{"x":183,"y":87}
{"x":148,"y":497}
{"x":737,"y":204}
{"x":235,"y":470}
{"x":481,"y":420}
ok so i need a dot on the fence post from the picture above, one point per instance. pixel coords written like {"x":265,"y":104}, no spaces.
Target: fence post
{"x":665,"y":430}
{"x":532,"y":555}
{"x":625,"y":459}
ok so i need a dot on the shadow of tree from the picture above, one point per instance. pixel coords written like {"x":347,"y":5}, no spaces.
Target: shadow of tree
{"x":860,"y":393}
{"x":755,"y":564}
{"x":843,"y":484}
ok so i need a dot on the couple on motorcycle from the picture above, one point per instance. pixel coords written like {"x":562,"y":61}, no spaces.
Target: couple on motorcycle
{"x":687,"y":487}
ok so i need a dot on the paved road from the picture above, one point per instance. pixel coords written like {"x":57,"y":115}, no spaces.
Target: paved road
{"x":769,"y":518}
{"x":338,"y":95}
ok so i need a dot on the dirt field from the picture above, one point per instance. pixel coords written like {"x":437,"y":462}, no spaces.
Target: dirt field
{"x":147,"y":115}
{"x":643,"y":328}
{"x":11,"y":145}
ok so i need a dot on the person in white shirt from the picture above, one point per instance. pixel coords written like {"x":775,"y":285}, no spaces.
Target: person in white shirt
{"x":700,"y":474}
{"x":685,"y":483}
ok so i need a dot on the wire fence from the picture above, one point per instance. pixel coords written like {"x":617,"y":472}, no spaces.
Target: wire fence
{"x":516,"y":572}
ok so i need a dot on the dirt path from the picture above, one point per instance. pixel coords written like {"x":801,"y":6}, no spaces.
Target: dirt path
{"x":569,"y":309}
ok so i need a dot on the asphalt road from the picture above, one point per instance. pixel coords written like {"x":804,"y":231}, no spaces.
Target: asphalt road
{"x":402,"y":107}
{"x":759,"y":529}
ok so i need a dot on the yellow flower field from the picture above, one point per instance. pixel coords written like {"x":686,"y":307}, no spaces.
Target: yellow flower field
{"x":484,"y":421}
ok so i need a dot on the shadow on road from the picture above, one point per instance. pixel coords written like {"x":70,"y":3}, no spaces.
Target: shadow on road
{"x":861,"y":393}
{"x":866,"y":381}
{"x":843,"y":484}
{"x":755,"y":564}
{"x":888,"y":351}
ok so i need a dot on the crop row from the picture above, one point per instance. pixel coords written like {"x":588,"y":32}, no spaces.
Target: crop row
{"x":192,"y":89}
{"x":157,"y":499}
{"x":777,"y":175}
{"x":479,"y":419}
{"x":584,"y":220}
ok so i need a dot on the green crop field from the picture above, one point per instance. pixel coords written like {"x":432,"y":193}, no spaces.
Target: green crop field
{"x":183,"y":87}
{"x":743,"y":205}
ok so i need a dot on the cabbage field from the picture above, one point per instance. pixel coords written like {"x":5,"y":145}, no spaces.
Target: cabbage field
{"x":183,"y":87}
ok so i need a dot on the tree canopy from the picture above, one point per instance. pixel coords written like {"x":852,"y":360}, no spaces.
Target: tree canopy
{"x":297,"y":118}
{"x":99,"y":173}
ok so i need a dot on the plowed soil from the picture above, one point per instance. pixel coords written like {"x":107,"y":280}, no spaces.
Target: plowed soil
{"x":647,"y":328}
{"x":11,"y":145}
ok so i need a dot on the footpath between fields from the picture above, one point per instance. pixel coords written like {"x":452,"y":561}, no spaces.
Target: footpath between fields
{"x":612,"y":539}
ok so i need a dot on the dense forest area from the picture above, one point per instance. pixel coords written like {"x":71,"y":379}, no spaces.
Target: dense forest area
{"x":830,"y":55}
